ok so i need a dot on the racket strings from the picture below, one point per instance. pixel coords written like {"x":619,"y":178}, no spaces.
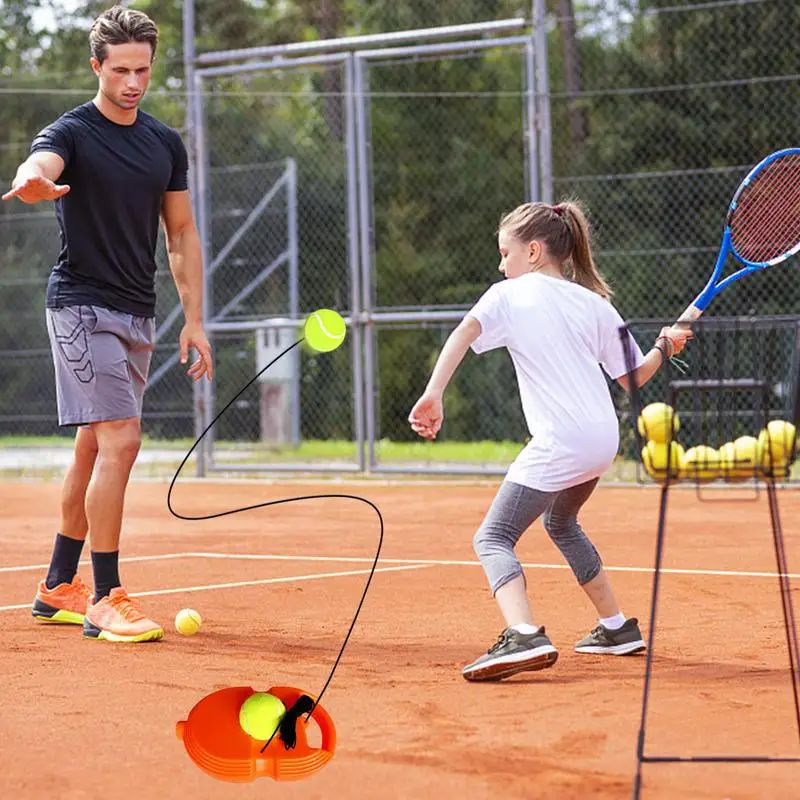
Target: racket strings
{"x":765,"y":224}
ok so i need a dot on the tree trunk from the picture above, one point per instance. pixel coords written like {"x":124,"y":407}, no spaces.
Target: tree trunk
{"x":578,"y":116}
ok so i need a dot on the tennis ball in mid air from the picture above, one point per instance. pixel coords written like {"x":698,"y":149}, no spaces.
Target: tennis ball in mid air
{"x":738,"y":459}
{"x":324,"y":330}
{"x":775,"y":444}
{"x":188,"y":622}
{"x":702,"y":464}
{"x":654,"y":457}
{"x":261,"y":714}
{"x":655,"y":421}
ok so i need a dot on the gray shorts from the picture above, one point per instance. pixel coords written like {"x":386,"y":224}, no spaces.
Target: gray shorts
{"x":101,"y":360}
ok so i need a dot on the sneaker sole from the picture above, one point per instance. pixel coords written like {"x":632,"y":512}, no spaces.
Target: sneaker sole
{"x":540,"y":658}
{"x":47,"y":613}
{"x":98,"y":634}
{"x":613,"y":650}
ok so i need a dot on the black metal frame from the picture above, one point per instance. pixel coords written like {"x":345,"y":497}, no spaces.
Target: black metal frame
{"x":708,"y":385}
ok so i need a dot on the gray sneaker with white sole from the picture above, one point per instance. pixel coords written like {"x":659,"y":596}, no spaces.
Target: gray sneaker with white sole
{"x":513,"y":652}
{"x":621,"y":642}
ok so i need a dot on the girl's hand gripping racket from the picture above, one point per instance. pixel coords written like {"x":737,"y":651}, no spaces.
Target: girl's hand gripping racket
{"x":762,"y":227}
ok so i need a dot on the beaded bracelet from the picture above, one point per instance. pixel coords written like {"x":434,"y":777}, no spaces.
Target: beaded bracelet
{"x":671,"y":345}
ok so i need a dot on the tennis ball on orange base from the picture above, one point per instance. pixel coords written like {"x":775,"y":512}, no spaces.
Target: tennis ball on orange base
{"x":702,"y":464}
{"x":655,"y":421}
{"x":188,"y":622}
{"x":324,"y":330}
{"x":737,"y":460}
{"x":261,"y":714}
{"x":654,"y":457}
{"x":775,"y":444}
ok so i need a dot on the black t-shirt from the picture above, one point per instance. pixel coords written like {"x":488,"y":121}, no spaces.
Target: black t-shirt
{"x":109,"y":219}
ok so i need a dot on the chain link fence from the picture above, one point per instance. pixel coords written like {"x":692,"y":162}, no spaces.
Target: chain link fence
{"x":657,"y":115}
{"x":29,"y":244}
{"x":254,"y":432}
{"x":253,"y":124}
{"x":278,"y":246}
{"x":657,"y":110}
{"x":447,"y":158}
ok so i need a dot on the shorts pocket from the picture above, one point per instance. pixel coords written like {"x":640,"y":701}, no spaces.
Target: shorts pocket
{"x":120,"y":370}
{"x":144,"y":334}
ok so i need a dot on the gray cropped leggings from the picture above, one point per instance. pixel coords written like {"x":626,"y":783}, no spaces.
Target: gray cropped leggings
{"x":514,"y":509}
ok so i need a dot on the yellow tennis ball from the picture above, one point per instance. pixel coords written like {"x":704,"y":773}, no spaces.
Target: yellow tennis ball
{"x":775,"y":443}
{"x":737,"y":460}
{"x":188,"y":622}
{"x":654,"y":458}
{"x":324,"y":330}
{"x":746,"y":449}
{"x":261,"y":714}
{"x":655,"y":421}
{"x":702,"y":463}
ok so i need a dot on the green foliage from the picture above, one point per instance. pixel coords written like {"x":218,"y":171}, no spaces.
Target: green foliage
{"x":446,"y":149}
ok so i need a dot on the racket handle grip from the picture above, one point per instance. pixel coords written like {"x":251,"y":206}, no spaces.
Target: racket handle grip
{"x":686,"y":319}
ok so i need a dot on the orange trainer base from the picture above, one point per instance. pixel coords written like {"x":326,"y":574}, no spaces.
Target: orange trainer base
{"x":216,"y":742}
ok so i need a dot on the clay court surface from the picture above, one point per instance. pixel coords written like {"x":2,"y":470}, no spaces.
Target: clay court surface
{"x":84,"y":719}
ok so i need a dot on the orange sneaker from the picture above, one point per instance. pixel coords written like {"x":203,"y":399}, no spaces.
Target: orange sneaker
{"x":65,"y":603}
{"x":118,"y":618}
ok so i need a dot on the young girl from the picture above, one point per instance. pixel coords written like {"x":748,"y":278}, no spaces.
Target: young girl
{"x":554,"y":316}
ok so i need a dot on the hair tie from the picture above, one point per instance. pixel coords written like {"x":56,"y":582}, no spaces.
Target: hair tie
{"x":558,"y":210}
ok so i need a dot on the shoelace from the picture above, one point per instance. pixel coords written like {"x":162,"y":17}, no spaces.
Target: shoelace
{"x":501,"y":640}
{"x":127,"y":607}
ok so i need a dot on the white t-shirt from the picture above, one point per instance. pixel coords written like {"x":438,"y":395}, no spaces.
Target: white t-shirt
{"x":558,"y":334}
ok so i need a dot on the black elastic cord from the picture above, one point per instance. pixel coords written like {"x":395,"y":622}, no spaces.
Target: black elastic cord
{"x":304,"y":704}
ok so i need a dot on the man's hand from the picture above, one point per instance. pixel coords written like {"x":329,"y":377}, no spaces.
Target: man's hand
{"x":194,"y":336}
{"x":36,"y":188}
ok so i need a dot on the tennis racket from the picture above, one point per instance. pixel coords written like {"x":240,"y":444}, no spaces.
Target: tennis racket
{"x":762,"y":227}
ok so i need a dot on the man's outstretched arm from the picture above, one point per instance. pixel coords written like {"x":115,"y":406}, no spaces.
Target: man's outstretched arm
{"x":36,"y":179}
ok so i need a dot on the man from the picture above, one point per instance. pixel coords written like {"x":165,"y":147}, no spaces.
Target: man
{"x":120,"y":170}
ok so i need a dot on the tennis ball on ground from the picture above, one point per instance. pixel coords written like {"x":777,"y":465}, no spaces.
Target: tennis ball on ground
{"x":324,"y":330}
{"x":188,"y":622}
{"x":654,"y":458}
{"x":702,"y":464}
{"x":738,"y":459}
{"x":775,"y":444}
{"x":655,"y":421}
{"x":261,"y":714}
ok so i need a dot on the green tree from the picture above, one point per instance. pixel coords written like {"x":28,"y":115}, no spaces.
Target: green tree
{"x":657,"y":112}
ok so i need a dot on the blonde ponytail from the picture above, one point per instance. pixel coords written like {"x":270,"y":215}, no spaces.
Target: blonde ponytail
{"x":584,"y":269}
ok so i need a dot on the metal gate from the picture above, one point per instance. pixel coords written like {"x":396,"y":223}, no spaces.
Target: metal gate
{"x":287,"y":215}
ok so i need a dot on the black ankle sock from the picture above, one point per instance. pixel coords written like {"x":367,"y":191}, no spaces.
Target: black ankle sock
{"x":106,"y":573}
{"x":64,"y":563}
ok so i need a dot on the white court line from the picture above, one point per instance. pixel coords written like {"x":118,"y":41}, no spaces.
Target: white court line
{"x":29,"y":567}
{"x":424,"y":561}
{"x":237,"y":584}
{"x":529,"y":565}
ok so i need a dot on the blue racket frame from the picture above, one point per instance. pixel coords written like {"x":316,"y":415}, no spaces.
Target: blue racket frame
{"x":712,"y":288}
